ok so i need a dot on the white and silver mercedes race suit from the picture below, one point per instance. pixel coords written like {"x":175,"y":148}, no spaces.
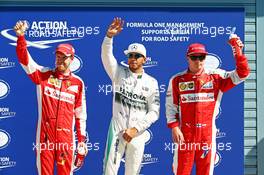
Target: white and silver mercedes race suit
{"x":136,"y":103}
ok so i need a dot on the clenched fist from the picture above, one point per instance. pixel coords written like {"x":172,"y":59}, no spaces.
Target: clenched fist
{"x":21,"y":27}
{"x":236,"y":44}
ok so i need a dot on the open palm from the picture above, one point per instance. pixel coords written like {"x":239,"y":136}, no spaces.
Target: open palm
{"x":115,"y":28}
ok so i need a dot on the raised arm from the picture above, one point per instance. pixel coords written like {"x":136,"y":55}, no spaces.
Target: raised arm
{"x":108,"y":59}
{"x":232,"y":78}
{"x":33,"y":70}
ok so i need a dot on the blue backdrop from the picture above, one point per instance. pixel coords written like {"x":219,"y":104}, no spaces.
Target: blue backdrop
{"x":166,"y":33}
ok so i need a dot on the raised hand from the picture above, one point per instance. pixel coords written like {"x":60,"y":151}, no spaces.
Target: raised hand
{"x":236,"y":44}
{"x":115,"y":28}
{"x":21,"y":27}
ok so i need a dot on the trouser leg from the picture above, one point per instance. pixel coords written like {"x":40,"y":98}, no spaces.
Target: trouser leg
{"x":134,"y":154}
{"x":114,"y":151}
{"x":45,"y":161}
{"x":205,"y":159}
{"x":183,"y":160}
{"x":64,"y":161}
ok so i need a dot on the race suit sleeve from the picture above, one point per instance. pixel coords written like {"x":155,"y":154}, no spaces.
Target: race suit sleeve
{"x":81,"y":114}
{"x":172,"y":104}
{"x":153,"y":105}
{"x":33,"y":70}
{"x":233,"y":78}
{"x":108,"y":59}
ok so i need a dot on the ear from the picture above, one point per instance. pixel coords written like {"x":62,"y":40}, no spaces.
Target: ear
{"x":188,"y":59}
{"x":144,"y":60}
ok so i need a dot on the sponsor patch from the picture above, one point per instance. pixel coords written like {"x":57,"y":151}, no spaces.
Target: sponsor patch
{"x":186,"y":86}
{"x":197,"y":97}
{"x":144,"y":88}
{"x":62,"y":158}
{"x":54,"y":81}
{"x":56,"y":94}
{"x":208,"y":85}
{"x":68,"y":83}
{"x":205,"y":153}
{"x":73,"y":88}
{"x":126,"y":82}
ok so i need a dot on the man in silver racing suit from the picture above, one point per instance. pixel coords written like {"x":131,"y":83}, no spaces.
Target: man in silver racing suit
{"x":136,"y":104}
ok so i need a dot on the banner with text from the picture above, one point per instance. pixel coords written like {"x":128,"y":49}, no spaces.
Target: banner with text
{"x":166,"y":34}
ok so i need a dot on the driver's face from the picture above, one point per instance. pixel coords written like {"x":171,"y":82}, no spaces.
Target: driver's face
{"x":63,"y":62}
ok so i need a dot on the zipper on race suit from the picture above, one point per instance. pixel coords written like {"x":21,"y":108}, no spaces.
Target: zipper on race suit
{"x":58,"y":109}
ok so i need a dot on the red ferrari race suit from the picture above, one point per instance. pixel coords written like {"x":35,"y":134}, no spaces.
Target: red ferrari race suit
{"x":61,"y":106}
{"x":192,"y":102}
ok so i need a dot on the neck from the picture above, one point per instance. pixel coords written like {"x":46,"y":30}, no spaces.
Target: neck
{"x":137,"y":71}
{"x":65,"y":72}
{"x":196,"y":72}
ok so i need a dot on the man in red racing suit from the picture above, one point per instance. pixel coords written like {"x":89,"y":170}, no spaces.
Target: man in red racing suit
{"x":61,"y":106}
{"x":193,"y":98}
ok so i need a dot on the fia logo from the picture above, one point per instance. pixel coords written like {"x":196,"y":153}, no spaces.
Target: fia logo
{"x":218,"y":159}
{"x":212,"y":61}
{"x":76,"y":64}
{"x":4,"y":139}
{"x":148,"y":136}
{"x":4,"y":89}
